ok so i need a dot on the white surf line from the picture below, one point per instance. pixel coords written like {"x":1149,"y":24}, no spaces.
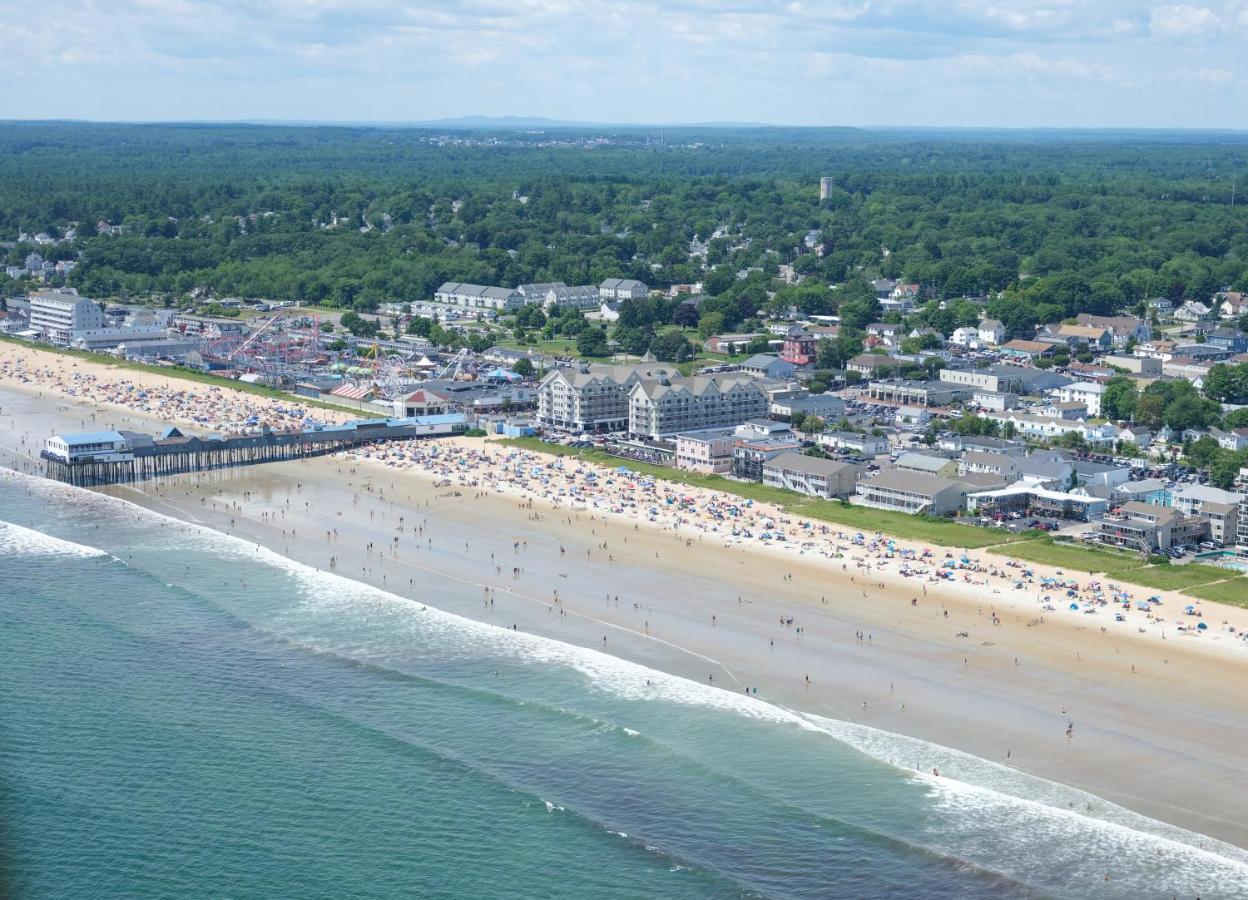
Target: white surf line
{"x":469,"y":582}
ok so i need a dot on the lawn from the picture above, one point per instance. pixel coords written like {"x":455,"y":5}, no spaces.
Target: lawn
{"x":1067,"y":556}
{"x":933,"y":531}
{"x":1233,"y":591}
{"x":1170,"y":578}
{"x":185,"y":374}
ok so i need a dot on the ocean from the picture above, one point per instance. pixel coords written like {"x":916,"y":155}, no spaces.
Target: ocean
{"x":186,"y":714}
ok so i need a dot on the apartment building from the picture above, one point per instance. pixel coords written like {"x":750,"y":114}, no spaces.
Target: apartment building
{"x":479,"y":296}
{"x":913,"y":493}
{"x":812,"y":475}
{"x":1147,"y":528}
{"x":622,"y":289}
{"x":590,"y":398}
{"x":556,"y":293}
{"x":58,"y":314}
{"x":666,"y":405}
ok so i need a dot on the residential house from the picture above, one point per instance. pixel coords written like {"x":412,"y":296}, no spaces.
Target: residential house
{"x":1002,"y":465}
{"x":751,"y":454}
{"x":965,"y":337}
{"x":1087,"y":394}
{"x":1235,"y":439}
{"x":884,"y":333}
{"x":874,"y":365}
{"x":991,"y":332}
{"x":1123,"y":329}
{"x":1080,"y":335}
{"x":1143,"y":490}
{"x":1231,"y":304}
{"x":1193,"y":311}
{"x":764,"y":365}
{"x":799,"y":346}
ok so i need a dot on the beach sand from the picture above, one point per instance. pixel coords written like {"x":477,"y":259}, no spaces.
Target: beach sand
{"x":1157,"y":723}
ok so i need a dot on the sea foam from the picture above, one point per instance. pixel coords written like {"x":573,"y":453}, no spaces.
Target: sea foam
{"x":990,"y":814}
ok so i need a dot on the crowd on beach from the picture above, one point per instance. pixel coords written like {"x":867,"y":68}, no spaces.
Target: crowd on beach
{"x":208,"y":407}
{"x":694,"y":513}
{"x":700,"y":514}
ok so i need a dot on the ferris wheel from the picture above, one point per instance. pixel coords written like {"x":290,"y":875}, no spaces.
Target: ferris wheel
{"x":394,"y":376}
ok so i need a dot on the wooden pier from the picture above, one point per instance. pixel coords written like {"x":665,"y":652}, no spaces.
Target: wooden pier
{"x":114,"y":457}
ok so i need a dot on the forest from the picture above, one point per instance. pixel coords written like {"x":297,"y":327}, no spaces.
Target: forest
{"x":1046,"y":224}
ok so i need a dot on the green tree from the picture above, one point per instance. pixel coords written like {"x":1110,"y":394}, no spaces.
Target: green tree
{"x":1119,"y":398}
{"x":592,"y":342}
{"x":523,"y":368}
{"x":671,"y":347}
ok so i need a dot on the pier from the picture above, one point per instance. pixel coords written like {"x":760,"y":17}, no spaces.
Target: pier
{"x":114,"y":457}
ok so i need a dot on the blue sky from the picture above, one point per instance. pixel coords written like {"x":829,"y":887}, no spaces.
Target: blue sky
{"x":1087,"y":63}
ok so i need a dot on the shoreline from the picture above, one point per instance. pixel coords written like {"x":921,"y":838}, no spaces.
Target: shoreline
{"x":1160,"y":740}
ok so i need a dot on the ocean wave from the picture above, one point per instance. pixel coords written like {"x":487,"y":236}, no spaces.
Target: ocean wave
{"x":15,"y":540}
{"x":981,"y":811}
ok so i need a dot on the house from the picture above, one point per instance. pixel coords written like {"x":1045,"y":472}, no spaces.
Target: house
{"x":1224,"y":338}
{"x":1135,"y":434}
{"x":1231,"y":304}
{"x":811,"y":475}
{"x":799,"y":346}
{"x":1192,"y":311}
{"x":1094,"y":474}
{"x":1198,"y":499}
{"x":912,"y":492}
{"x":1049,"y":427}
{"x":1123,"y":329}
{"x":1068,"y":410}
{"x":1085,"y":393}
{"x":1144,"y":490}
{"x":764,"y":365}
{"x":911,"y":417}
{"x":1080,"y":335}
{"x":974,"y":443}
{"x":884,"y":333}
{"x":965,"y":337}
{"x":991,"y":332}
{"x":930,"y":465}
{"x":1235,"y":439}
{"x":873,"y":365}
{"x":1160,"y":305}
{"x":708,"y":451}
{"x":1025,"y":350}
{"x":1148,"y":528}
{"x":618,"y":289}
{"x":884,"y":288}
{"x":865,"y":445}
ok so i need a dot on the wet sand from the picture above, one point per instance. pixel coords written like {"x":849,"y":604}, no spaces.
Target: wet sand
{"x":1164,"y":739}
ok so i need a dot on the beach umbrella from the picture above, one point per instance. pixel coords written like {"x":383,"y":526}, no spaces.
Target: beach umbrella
{"x":1202,"y":625}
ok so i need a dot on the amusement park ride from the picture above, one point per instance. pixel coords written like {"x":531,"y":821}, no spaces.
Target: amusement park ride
{"x":279,"y":352}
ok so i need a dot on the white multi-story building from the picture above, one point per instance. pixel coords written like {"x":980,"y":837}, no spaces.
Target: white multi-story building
{"x":58,"y":314}
{"x":556,"y":293}
{"x":622,"y":289}
{"x":1087,"y":393}
{"x":661,"y":407}
{"x":478,"y":296}
{"x":591,"y":398}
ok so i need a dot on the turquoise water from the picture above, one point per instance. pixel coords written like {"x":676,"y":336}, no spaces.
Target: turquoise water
{"x":185,"y":714}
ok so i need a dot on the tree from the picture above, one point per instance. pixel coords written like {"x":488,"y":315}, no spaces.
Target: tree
{"x":1224,"y":471}
{"x":686,"y":316}
{"x":1202,"y":452}
{"x":592,"y":342}
{"x":523,"y":367}
{"x":1119,"y":399}
{"x":671,"y":347}
{"x":797,"y":420}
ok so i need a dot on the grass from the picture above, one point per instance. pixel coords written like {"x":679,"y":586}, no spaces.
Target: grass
{"x":182,"y":373}
{"x":1067,"y":556}
{"x":1170,"y":578}
{"x":942,"y":532}
{"x":1233,"y":591}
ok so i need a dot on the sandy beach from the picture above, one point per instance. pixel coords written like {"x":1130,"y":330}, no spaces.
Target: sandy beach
{"x":1137,"y":711}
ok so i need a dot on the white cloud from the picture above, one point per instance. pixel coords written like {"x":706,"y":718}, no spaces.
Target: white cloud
{"x":1180,"y":20}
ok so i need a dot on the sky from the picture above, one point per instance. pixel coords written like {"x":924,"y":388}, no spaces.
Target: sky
{"x":1007,"y":63}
